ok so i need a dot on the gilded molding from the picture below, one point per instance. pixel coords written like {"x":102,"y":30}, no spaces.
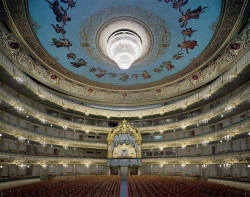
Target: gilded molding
{"x":234,"y":100}
{"x":115,"y":97}
{"x":233,"y":130}
{"x":243,"y":62}
{"x":12,"y":158}
{"x":16,"y":131}
{"x":228,"y":105}
{"x":235,"y":157}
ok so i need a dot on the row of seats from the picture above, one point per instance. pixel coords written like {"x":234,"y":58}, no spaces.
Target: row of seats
{"x":163,"y":186}
{"x":84,"y":186}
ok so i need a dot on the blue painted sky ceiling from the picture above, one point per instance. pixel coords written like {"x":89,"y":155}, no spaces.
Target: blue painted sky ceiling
{"x":182,"y":29}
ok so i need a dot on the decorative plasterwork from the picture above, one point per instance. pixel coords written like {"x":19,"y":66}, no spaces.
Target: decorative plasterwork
{"x":43,"y":93}
{"x":132,"y":97}
{"x":226,"y":106}
{"x":32,"y":136}
{"x":231,"y":131}
{"x":7,"y":40}
{"x":231,"y":103}
{"x":237,"y":157}
{"x":12,"y":158}
{"x":124,"y":128}
{"x":43,"y":117}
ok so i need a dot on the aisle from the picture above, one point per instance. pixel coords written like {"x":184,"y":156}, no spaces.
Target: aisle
{"x":123,"y":192}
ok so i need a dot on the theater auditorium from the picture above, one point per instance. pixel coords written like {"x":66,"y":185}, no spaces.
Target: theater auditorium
{"x":124,"y":98}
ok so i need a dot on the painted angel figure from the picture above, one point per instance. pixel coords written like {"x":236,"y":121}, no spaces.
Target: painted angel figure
{"x":190,"y":14}
{"x":188,"y":44}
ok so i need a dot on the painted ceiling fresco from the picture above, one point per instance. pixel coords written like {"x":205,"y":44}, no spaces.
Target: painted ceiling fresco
{"x":182,"y":29}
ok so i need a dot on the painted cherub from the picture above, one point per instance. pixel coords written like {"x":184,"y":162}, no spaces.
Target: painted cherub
{"x":168,"y":65}
{"x":58,"y":29}
{"x":70,"y":3}
{"x":190,"y":14}
{"x":63,"y":42}
{"x":80,"y":62}
{"x":61,"y":14}
{"x":188,"y":44}
{"x":179,"y":3}
{"x":178,"y":56}
{"x":188,"y":32}
{"x":146,"y":75}
{"x":71,"y":56}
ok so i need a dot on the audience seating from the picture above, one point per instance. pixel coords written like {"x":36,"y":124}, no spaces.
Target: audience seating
{"x":84,"y":186}
{"x":163,"y":186}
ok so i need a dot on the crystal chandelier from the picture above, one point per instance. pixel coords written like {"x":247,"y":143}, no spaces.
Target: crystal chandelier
{"x":124,"y":47}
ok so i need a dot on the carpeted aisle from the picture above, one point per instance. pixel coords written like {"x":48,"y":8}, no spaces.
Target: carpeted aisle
{"x":123,"y":192}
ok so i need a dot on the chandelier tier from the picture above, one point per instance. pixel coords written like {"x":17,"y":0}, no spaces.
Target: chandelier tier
{"x":124,"y":47}
{"x":124,"y":41}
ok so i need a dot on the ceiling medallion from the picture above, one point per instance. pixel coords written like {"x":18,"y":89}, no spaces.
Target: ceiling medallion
{"x":124,"y":41}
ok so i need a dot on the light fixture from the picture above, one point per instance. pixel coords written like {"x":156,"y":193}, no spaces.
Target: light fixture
{"x":183,"y":127}
{"x":124,"y":47}
{"x":65,"y":165}
{"x":227,"y":165}
{"x":204,"y":165}
{"x":21,"y":165}
{"x":19,"y":109}
{"x":43,"y":121}
{"x":21,"y":138}
{"x":44,"y":165}
{"x":19,"y":79}
{"x":229,"y":108}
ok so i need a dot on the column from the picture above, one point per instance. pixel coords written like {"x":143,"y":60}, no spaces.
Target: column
{"x":129,"y":170}
{"x":109,"y":171}
{"x":139,"y":170}
{"x":119,"y":171}
{"x":203,"y":173}
{"x":44,"y":173}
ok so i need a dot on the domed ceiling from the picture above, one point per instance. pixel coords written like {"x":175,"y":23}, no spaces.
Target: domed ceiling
{"x":175,"y":46}
{"x":179,"y":32}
